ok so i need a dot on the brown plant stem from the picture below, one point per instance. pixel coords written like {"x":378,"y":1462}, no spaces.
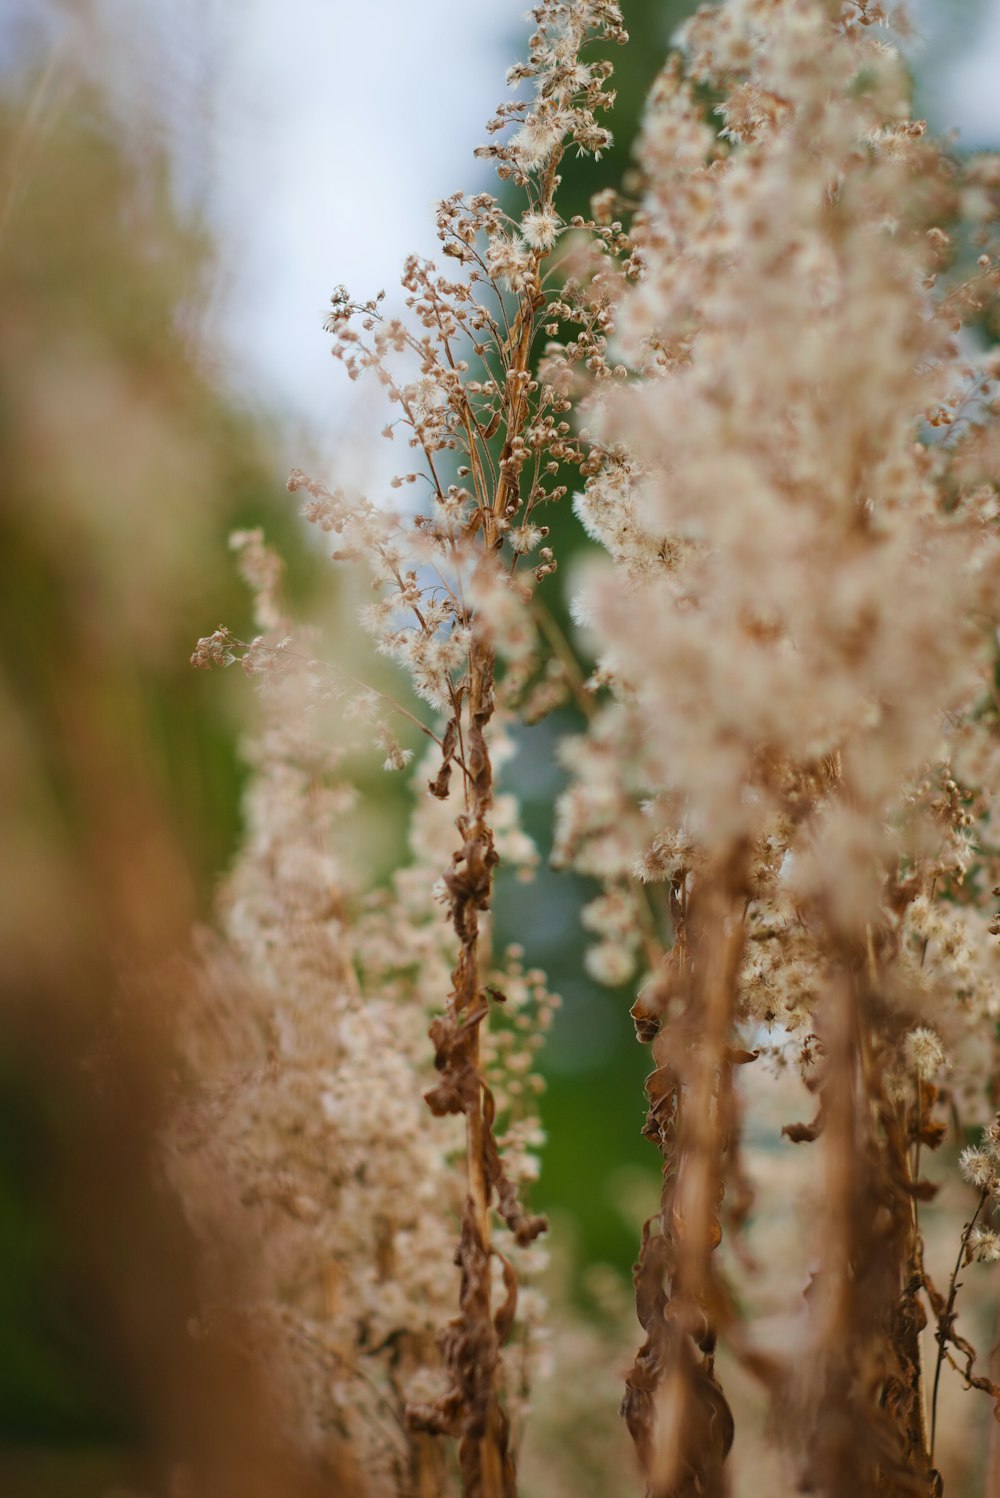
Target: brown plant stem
{"x":869,"y":1432}
{"x":674,"y":1406}
{"x":904,"y":1392}
{"x":946,"y":1319}
{"x":833,"y":1457}
{"x":993,"y":1445}
{"x":493,"y":1457}
{"x":426,"y":1469}
{"x":472,"y":1343}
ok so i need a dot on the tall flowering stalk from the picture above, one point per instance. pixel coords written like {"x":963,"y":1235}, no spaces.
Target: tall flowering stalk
{"x":454,"y":584}
{"x":798,"y":627}
{"x":448,"y":631}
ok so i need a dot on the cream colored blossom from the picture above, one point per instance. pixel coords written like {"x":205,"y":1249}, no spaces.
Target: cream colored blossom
{"x":924,"y":1052}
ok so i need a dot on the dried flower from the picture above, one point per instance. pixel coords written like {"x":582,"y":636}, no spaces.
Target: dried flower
{"x":978,"y":1168}
{"x":924,"y":1052}
{"x":984,"y":1245}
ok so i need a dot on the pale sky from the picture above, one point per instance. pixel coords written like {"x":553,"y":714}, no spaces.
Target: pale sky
{"x":317,"y":135}
{"x":338,"y":126}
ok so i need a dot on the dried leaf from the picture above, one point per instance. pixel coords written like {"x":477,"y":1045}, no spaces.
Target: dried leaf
{"x":924,"y":1190}
{"x":439,"y":785}
{"x":802,"y":1133}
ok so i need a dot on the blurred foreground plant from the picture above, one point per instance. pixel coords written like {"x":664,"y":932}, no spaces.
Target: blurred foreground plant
{"x":123,"y":469}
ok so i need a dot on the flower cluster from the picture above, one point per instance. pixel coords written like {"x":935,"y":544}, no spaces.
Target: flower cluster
{"x":763,"y":379}
{"x":796,"y":648}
